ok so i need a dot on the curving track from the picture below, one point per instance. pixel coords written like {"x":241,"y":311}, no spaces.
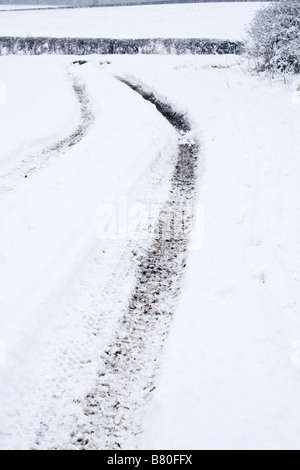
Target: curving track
{"x":113,"y":412}
{"x":123,"y":379}
{"x":10,"y":180}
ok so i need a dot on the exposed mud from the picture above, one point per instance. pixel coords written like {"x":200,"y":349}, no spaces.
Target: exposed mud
{"x":114,"y":411}
{"x":33,"y":163}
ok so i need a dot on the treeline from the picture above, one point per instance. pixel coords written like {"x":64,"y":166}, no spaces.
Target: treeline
{"x":81,"y":46}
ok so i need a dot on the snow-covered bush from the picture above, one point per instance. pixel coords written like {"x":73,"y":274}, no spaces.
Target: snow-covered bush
{"x":274,"y":37}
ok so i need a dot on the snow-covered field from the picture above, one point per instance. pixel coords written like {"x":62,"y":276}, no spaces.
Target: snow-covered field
{"x":230,"y":374}
{"x":51,"y":257}
{"x":212,"y":20}
{"x":25,"y":7}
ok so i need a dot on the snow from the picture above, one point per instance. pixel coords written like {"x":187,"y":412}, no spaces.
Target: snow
{"x":212,"y":20}
{"x":58,"y":305}
{"x":230,"y":371}
{"x":230,"y":375}
{"x":24,"y":131}
{"x":230,"y":378}
{"x":25,"y":7}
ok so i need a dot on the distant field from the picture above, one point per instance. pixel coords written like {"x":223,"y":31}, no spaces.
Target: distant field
{"x":25,"y":7}
{"x":201,"y":20}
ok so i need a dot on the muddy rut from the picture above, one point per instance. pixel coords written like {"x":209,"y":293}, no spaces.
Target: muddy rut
{"x":113,"y":412}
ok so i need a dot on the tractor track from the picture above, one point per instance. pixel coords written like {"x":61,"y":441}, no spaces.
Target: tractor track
{"x":34,"y":163}
{"x":113,"y":412}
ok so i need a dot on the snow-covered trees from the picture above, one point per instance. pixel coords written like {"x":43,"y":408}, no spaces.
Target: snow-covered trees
{"x":274,"y":37}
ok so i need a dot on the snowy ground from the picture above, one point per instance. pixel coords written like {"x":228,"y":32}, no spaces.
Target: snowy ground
{"x":230,"y":379}
{"x":75,"y":142}
{"x":63,"y":289}
{"x":25,"y":7}
{"x":230,"y":376}
{"x":219,"y":21}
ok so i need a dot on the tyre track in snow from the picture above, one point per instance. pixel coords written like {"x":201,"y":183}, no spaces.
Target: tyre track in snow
{"x":113,"y":412}
{"x":32,"y":164}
